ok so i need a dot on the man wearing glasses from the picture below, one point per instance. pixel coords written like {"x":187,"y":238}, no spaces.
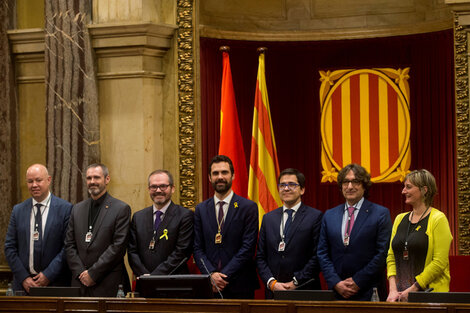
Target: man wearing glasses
{"x":161,"y":235}
{"x":287,"y":247}
{"x":354,"y":239}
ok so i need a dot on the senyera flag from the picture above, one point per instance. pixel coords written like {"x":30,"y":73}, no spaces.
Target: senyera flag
{"x":231,"y":143}
{"x":264,"y":166}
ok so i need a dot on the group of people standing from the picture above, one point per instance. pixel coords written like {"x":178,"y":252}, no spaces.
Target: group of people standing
{"x":51,"y":242}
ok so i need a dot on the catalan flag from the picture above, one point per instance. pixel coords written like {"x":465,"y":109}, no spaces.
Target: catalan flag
{"x":231,"y":143}
{"x":264,"y":166}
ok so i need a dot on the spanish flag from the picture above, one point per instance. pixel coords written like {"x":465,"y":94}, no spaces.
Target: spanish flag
{"x":264,"y":166}
{"x":231,"y":143}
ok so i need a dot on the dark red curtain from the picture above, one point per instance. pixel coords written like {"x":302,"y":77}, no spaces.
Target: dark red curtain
{"x":293,"y":84}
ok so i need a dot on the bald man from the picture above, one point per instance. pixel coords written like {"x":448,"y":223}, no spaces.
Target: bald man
{"x":41,"y":219}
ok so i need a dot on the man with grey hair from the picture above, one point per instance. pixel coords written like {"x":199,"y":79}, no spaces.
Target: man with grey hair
{"x":39,"y":219}
{"x":97,"y":238}
{"x":161,"y":235}
{"x":354,"y":239}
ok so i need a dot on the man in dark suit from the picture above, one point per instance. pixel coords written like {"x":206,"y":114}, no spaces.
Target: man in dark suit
{"x":161,"y":236}
{"x":225,"y":235}
{"x":354,"y":239}
{"x":97,"y":237}
{"x":41,"y":219}
{"x":288,"y":238}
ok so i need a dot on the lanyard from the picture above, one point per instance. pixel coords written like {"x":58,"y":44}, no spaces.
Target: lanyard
{"x":409,"y":223}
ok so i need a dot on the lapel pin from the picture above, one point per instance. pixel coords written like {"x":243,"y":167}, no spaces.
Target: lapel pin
{"x":235,"y":204}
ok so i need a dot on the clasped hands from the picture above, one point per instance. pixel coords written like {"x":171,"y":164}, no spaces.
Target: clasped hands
{"x":86,"y":279}
{"x":275,"y":285}
{"x":40,"y":280}
{"x":347,"y":288}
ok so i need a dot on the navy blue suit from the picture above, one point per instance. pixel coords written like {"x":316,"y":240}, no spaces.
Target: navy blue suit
{"x":364,"y":258}
{"x":299,"y":258}
{"x":237,"y":250}
{"x":18,"y":237}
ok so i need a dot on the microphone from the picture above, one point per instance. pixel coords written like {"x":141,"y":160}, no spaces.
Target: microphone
{"x":179,"y":264}
{"x":307,"y":282}
{"x":210,"y":276}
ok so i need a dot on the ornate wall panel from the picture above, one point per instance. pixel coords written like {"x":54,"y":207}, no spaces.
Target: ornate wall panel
{"x":187,"y":114}
{"x":463,"y":134}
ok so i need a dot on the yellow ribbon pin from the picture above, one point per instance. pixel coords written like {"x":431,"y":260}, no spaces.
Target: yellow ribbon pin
{"x":165,"y":234}
{"x":235,"y":205}
{"x":417,"y":228}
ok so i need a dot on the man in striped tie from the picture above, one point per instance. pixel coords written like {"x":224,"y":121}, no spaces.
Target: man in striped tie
{"x":225,"y":235}
{"x":354,"y":239}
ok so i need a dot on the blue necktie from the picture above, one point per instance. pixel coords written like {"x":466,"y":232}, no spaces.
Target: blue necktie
{"x":288,"y":222}
{"x":38,"y":243}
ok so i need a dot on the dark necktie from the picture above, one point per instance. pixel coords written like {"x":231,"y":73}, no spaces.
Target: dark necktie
{"x":350,"y":223}
{"x":288,"y":223}
{"x":158,"y":216}
{"x":220,"y":217}
{"x":38,"y":243}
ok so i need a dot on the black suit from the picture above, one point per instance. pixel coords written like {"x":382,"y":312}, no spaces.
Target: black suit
{"x":103,"y":257}
{"x":299,"y":258}
{"x":169,"y":250}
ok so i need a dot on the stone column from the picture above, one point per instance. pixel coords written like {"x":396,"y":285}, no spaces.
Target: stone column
{"x":136,"y":82}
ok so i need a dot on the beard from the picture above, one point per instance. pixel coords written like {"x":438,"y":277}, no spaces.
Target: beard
{"x":159,"y":200}
{"x":95,"y":189}
{"x":222,"y":188}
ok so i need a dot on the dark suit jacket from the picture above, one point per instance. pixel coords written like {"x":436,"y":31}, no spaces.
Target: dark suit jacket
{"x":299,"y":258}
{"x":168,"y":252}
{"x":237,"y":250}
{"x":18,"y":240}
{"x":103,"y":257}
{"x":364,"y":258}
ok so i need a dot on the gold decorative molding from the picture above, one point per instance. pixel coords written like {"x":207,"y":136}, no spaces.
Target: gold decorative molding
{"x":327,"y":34}
{"x":462,"y":133}
{"x":186,"y":104}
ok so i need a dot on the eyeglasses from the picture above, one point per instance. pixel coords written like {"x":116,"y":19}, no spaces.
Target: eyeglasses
{"x":354,"y":182}
{"x":156,"y":187}
{"x":290,"y":186}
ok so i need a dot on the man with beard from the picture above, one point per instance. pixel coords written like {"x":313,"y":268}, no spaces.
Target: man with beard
{"x":161,"y":236}
{"x":97,"y":237}
{"x":225,"y":235}
{"x":354,"y":239}
{"x":39,"y":219}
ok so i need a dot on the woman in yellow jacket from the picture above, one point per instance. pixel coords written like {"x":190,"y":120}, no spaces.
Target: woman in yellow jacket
{"x":418,"y":257}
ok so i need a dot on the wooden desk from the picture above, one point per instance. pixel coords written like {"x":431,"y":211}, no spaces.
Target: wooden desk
{"x":141,"y":305}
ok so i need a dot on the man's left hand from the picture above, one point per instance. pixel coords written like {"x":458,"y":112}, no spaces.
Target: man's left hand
{"x":352,"y":284}
{"x":86,"y":279}
{"x":41,"y":279}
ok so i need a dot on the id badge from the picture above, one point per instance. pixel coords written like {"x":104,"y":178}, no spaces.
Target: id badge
{"x":88,"y":236}
{"x":152,"y":244}
{"x":35,"y":235}
{"x":218,"y":238}
{"x":405,"y":255}
{"x":346,"y":241}
{"x":282,"y":246}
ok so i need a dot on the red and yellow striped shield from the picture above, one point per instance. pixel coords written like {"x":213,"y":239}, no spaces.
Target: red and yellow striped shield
{"x":365,"y":119}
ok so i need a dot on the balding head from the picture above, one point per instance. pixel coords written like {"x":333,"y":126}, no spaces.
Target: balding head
{"x":38,"y":181}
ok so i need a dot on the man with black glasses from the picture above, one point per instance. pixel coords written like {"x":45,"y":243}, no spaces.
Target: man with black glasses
{"x":161,"y":236}
{"x":354,"y":239}
{"x":287,"y":247}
